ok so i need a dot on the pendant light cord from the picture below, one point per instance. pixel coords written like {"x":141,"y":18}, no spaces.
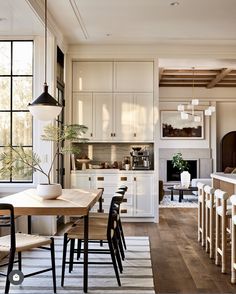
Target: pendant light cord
{"x":45,"y":44}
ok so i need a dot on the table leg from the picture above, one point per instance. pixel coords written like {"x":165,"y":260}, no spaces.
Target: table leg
{"x":29,"y":224}
{"x":180,"y":195}
{"x":171,"y":195}
{"x":86,"y":227}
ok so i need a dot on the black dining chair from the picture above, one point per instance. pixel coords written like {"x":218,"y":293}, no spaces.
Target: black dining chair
{"x":18,"y":243}
{"x":97,"y":231}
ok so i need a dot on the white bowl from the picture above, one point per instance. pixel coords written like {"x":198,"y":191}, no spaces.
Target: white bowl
{"x":49,"y":191}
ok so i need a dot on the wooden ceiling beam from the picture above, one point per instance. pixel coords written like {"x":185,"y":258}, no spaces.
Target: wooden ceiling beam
{"x":224,"y":72}
{"x":164,"y":75}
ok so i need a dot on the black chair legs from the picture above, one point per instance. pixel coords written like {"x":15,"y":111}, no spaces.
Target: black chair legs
{"x":52,"y":247}
{"x":63,"y":260}
{"x":10,"y":267}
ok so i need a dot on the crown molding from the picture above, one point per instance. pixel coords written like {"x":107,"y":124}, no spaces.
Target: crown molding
{"x":37,"y":7}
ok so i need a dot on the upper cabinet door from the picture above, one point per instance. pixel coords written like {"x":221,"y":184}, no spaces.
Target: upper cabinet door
{"x":123,"y":117}
{"x":92,"y":76}
{"x":102,"y":112}
{"x":133,"y":77}
{"x":83,"y":112}
{"x":143,"y":116}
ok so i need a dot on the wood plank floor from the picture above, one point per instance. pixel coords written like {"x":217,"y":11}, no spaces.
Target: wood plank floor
{"x":180,"y":264}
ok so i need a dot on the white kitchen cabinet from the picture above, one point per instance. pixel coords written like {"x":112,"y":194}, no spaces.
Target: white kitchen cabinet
{"x":83,"y":112}
{"x":103,"y":116}
{"x":133,"y":76}
{"x":92,"y":76}
{"x":133,"y":117}
{"x":143,"y":117}
{"x":110,"y":183}
{"x":143,"y":195}
{"x":139,"y":198}
{"x":123,"y":117}
{"x":114,"y":100}
{"x":82,"y":181}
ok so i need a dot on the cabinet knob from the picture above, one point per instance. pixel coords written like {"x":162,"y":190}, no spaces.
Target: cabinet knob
{"x":134,"y":178}
{"x":134,"y":134}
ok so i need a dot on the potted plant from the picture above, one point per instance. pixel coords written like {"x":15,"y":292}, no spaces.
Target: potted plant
{"x":183,"y":167}
{"x":22,"y":160}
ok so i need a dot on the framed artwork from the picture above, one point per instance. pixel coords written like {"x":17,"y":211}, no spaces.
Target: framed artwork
{"x":173,"y":127}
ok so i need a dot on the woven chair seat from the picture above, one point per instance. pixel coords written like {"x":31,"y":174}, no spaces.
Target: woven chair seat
{"x":96,"y":232}
{"x":24,"y":242}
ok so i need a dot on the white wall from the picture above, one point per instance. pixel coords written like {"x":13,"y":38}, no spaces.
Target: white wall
{"x":223,"y":121}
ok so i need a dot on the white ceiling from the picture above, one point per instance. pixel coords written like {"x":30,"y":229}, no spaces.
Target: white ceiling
{"x":17,"y":18}
{"x":126,"y":21}
{"x":129,"y":22}
{"x":144,"y":21}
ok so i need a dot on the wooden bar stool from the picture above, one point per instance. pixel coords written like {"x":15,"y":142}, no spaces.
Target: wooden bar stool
{"x":233,"y":240}
{"x":223,"y":214}
{"x":201,"y":213}
{"x":209,"y":218}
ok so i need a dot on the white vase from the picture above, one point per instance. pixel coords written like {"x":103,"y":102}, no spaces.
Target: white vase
{"x":49,"y":191}
{"x":185,"y":179}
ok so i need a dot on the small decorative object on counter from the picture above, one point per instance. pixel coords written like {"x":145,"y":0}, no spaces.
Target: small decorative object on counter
{"x":126,"y":161}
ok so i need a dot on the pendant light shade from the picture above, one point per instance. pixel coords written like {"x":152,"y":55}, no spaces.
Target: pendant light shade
{"x":45,"y":107}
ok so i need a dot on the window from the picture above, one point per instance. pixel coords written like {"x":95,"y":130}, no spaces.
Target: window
{"x":16,"y":90}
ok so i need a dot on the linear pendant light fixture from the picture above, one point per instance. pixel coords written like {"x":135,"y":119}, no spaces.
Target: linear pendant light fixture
{"x":45,"y":107}
{"x":191,"y":107}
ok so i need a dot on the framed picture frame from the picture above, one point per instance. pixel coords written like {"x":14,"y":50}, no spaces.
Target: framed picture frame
{"x":173,"y":127}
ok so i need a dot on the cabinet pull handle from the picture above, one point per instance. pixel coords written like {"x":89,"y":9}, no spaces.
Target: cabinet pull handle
{"x":91,"y":134}
{"x":114,"y":134}
{"x":134,"y":178}
{"x":89,"y":178}
{"x":134,"y":134}
{"x":124,"y":200}
{"x":123,"y":178}
{"x":100,"y":178}
{"x":123,"y":211}
{"x":111,"y":134}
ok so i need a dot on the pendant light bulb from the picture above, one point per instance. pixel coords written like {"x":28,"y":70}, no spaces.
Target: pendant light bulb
{"x":45,"y":107}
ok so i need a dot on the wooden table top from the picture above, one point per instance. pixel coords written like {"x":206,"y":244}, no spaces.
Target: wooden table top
{"x":71,"y":202}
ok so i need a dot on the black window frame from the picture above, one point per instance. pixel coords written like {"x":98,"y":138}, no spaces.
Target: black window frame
{"x":11,"y":76}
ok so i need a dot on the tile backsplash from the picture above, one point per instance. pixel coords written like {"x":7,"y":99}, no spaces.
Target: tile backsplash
{"x":110,"y":152}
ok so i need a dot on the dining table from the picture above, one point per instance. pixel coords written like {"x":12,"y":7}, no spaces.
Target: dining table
{"x":71,"y":202}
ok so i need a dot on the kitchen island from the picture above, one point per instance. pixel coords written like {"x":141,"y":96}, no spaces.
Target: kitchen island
{"x":225,"y":182}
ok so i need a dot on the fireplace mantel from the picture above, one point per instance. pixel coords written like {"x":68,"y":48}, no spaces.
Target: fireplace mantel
{"x":202,"y":156}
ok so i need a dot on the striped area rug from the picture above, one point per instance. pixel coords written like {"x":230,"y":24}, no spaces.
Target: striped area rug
{"x":136,"y":278}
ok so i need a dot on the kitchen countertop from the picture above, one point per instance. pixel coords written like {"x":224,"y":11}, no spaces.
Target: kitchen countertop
{"x":110,"y":171}
{"x":230,"y":178}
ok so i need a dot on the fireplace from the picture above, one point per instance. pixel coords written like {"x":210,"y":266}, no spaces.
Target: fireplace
{"x":173,"y":173}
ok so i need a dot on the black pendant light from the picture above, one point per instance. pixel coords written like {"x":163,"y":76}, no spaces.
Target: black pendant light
{"x":45,"y":107}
